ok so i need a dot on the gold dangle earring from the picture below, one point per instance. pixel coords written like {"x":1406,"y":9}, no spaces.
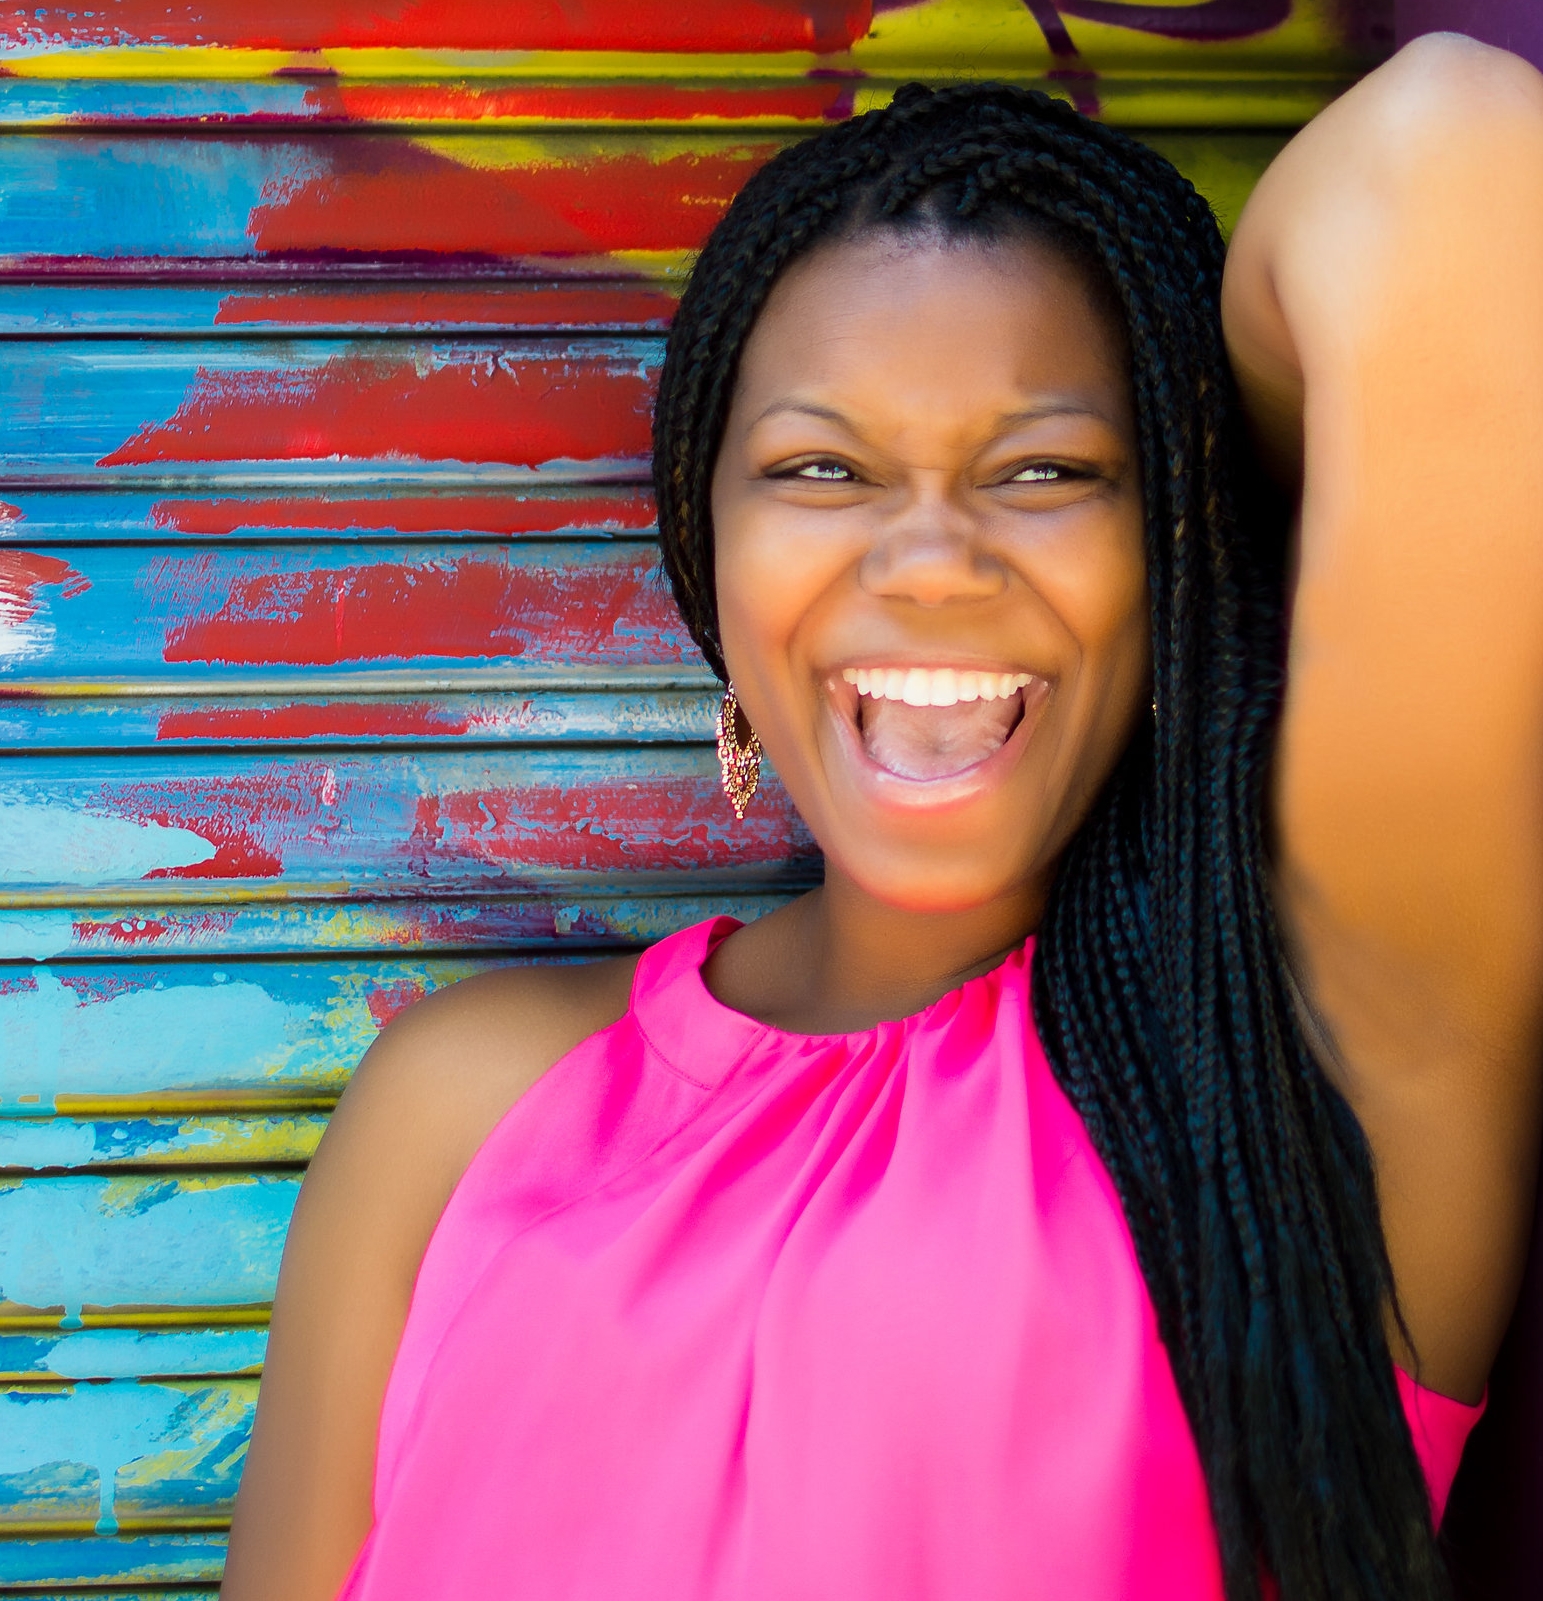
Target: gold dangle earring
{"x":741,"y":764}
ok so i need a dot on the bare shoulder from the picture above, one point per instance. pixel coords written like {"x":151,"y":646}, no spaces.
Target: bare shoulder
{"x":444,"y":1071}
{"x":439,"y":1078}
{"x":426,"y":1096}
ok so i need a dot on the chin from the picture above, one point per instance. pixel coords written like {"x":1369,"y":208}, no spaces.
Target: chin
{"x":936,"y":889}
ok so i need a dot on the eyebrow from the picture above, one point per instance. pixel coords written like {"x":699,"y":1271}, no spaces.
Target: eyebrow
{"x":808,"y":408}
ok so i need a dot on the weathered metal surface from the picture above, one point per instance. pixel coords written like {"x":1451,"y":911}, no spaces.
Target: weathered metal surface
{"x":486,"y":308}
{"x":90,"y":1354}
{"x":144,"y":1562}
{"x":122,"y":1454}
{"x":153,"y":1040}
{"x":534,"y":511}
{"x":453,"y":206}
{"x":460,"y":25}
{"x":342,"y":715}
{"x":450,"y":822}
{"x":220,"y":614}
{"x":84,"y":410}
{"x":587,"y":203}
{"x":548,"y":915}
{"x":140,"y":1249}
{"x":124,"y":1143}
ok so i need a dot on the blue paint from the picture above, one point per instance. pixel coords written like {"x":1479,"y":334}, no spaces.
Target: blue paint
{"x":122,"y":1447}
{"x":540,"y":716}
{"x":549,"y":913}
{"x":118,"y":196}
{"x":44,"y":517}
{"x":35,"y":935}
{"x":52,"y":844}
{"x":63,"y":1143}
{"x":124,"y":610}
{"x":150,"y":1559}
{"x":67,"y":405}
{"x":134,"y":1353}
{"x":390,"y":820}
{"x":275,"y":1028}
{"x":44,"y":101}
{"x":140,"y":1241}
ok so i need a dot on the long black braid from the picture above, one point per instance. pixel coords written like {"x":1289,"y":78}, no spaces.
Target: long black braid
{"x":1160,"y":987}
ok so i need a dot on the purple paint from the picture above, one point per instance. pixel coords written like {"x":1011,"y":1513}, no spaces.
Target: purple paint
{"x":1511,"y":24}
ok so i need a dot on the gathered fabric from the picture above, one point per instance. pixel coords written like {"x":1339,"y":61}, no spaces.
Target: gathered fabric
{"x":719,"y":1311}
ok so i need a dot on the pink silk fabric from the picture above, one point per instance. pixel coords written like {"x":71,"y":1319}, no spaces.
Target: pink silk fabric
{"x":723,"y":1312}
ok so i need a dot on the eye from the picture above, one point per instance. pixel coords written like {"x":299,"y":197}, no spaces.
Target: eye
{"x":1040,"y":472}
{"x":822,"y":471}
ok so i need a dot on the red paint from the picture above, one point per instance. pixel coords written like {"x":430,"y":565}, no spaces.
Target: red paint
{"x":619,"y":509}
{"x":657,"y":824}
{"x":124,"y":930}
{"x":390,"y":1000}
{"x":92,"y":989}
{"x":812,"y":100}
{"x":389,"y":196}
{"x":565,"y":306}
{"x":482,"y":407}
{"x":10,"y":513}
{"x":314,"y":720}
{"x":710,"y":25}
{"x":23,"y":573}
{"x":247,"y":817}
{"x":131,"y":931}
{"x":467,"y":608}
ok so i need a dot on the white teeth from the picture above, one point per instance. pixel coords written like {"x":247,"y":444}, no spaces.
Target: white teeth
{"x":933,"y":686}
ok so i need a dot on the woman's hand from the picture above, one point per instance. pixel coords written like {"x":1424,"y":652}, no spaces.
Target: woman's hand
{"x":1384,"y":310}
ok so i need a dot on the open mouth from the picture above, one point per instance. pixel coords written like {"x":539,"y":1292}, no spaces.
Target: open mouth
{"x":926,"y":723}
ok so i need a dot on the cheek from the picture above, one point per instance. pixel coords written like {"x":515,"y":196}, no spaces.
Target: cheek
{"x":1096,"y":583}
{"x":773,"y":573}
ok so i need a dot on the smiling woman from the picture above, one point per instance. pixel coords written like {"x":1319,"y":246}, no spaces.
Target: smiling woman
{"x":930,"y":468}
{"x":1113,"y":1180}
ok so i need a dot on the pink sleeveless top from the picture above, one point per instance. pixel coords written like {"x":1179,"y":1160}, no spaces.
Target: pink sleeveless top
{"x":723,"y":1312}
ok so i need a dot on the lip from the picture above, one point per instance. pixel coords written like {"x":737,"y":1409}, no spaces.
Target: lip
{"x":885,"y":788}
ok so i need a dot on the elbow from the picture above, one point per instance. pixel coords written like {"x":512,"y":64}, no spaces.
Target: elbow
{"x":1444,"y":92}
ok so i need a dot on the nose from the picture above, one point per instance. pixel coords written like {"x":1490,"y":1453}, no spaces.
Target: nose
{"x":931,"y":554}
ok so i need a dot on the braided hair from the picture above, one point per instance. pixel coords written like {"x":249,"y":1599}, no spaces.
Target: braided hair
{"x":1160,"y":987}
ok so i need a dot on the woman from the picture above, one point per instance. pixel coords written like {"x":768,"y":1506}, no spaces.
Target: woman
{"x":1040,"y":1207}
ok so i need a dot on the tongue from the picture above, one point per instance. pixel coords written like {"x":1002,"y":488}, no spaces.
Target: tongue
{"x":934,"y":741}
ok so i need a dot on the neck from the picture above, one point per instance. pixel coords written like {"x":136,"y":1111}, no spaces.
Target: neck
{"x":839,"y":959}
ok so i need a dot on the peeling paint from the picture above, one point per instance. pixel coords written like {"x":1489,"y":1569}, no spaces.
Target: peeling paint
{"x":80,"y":1243}
{"x":133,"y":1353}
{"x":44,"y":844}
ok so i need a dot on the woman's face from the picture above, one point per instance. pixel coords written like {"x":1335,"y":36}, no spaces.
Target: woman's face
{"x":931,"y":582}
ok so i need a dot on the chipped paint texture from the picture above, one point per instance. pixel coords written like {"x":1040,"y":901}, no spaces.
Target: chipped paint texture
{"x":248,"y":1031}
{"x":135,"y":1243}
{"x":105,"y":1455}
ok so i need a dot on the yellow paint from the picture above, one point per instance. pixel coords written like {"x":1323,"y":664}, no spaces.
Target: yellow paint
{"x":32,"y":1321}
{"x":1001,"y":36}
{"x":507,"y":152}
{"x":192,"y":1103}
{"x":80,"y":1528}
{"x":940,"y":38}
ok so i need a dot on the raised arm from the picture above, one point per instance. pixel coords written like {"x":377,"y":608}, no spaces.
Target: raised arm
{"x":1384,"y":309}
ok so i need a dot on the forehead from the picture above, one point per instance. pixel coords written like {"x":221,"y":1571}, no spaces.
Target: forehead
{"x":930,"y":321}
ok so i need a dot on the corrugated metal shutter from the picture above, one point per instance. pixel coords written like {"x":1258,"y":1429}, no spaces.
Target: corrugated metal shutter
{"x":334,"y":661}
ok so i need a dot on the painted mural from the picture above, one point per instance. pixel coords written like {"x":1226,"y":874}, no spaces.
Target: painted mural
{"x":335,"y":664}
